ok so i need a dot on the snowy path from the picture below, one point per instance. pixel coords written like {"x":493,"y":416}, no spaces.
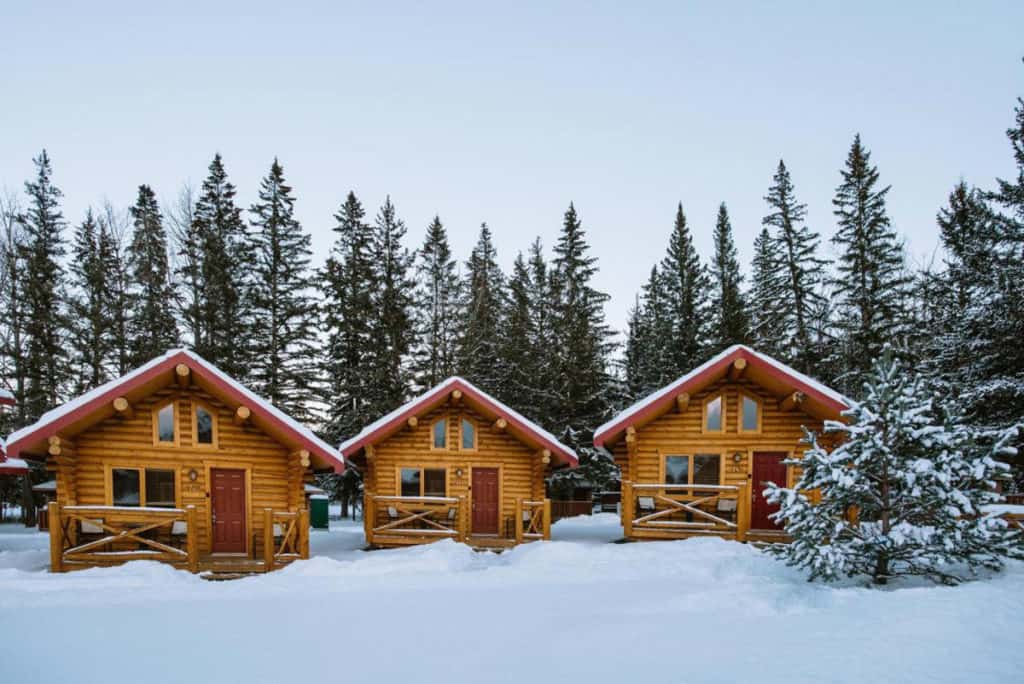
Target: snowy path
{"x":569,"y":611}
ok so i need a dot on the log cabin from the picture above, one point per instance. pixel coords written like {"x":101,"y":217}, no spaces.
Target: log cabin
{"x":176,"y":462}
{"x":695,"y":455}
{"x":456,"y":463}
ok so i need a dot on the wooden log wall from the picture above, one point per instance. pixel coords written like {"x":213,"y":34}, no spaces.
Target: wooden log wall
{"x":126,"y":440}
{"x":679,"y":433}
{"x":521,"y":474}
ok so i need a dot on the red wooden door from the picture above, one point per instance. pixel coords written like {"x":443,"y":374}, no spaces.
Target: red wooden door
{"x":485,"y":501}
{"x":768,"y":467}
{"x":227,"y":502}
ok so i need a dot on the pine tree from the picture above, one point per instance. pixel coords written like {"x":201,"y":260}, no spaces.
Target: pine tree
{"x":113,"y":231}
{"x":731,"y":324}
{"x":437,"y":309}
{"x":349,"y":279}
{"x":767,"y":316}
{"x":391,"y":332}
{"x":871,"y":282}
{"x":649,"y":343}
{"x":542,"y":392}
{"x":219,"y":242}
{"x":12,"y":324}
{"x":90,"y":321}
{"x":46,"y":369}
{"x":152,"y":326}
{"x":283,"y":342}
{"x":687,"y":287}
{"x":798,"y":282}
{"x":918,"y":478}
{"x":582,"y":344}
{"x":480,"y":359}
{"x":521,"y":359}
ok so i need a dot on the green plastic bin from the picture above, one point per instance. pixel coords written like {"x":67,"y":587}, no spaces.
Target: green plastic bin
{"x":318,"y":511}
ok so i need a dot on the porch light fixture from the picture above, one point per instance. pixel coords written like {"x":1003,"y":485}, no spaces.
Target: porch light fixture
{"x":458,"y":472}
{"x":193,"y":475}
{"x":737,"y":457}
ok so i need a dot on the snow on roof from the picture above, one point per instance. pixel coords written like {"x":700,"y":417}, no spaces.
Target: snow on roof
{"x":233,"y":386}
{"x":48,"y":486}
{"x":13,"y":466}
{"x":396,"y":417}
{"x":6,"y":397}
{"x":735,"y":350}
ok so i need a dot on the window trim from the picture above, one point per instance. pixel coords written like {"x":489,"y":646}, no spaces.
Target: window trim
{"x":157,"y":408}
{"x":476,"y":434}
{"x":196,"y":405}
{"x":690,"y":453}
{"x":704,"y":414}
{"x":447,"y":434}
{"x":423,"y":479}
{"x":110,"y":467}
{"x":760,"y":413}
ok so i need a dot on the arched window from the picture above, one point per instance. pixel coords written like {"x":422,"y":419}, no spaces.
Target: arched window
{"x":468,"y":435}
{"x":714,"y":414}
{"x":750,"y":414}
{"x":439,"y":434}
{"x":204,"y":425}
{"x":165,"y":425}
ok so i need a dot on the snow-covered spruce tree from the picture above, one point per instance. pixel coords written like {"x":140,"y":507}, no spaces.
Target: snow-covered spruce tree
{"x":523,"y":362}
{"x":871,"y":283}
{"x":798,"y":282}
{"x":46,"y":359}
{"x":543,"y":397}
{"x":917,"y":478}
{"x":152,"y":327}
{"x":686,"y":287}
{"x":349,"y":279}
{"x":12,"y":324}
{"x":480,"y":359}
{"x":391,"y":329}
{"x":437,"y":309}
{"x":582,"y":344}
{"x":87,"y":303}
{"x":225,"y":275}
{"x":766,"y":316}
{"x":648,"y":355}
{"x":114,"y":228}
{"x":730,"y":319}
{"x":283,"y":342}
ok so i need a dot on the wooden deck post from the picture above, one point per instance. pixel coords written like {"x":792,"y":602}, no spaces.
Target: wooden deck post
{"x":191,"y":538}
{"x":742,"y":512}
{"x":547,"y":519}
{"x":518,"y":521}
{"x":627,"y":508}
{"x":268,"y":539}
{"x":463,"y":517}
{"x":56,"y":537}
{"x":304,"y":533}
{"x":369,"y":516}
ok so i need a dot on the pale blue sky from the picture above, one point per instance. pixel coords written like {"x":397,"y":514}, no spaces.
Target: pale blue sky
{"x":506,"y":114}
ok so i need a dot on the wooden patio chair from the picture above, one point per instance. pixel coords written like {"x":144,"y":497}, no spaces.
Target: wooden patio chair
{"x":452,"y":519}
{"x":179,"y":534}
{"x":645,"y":505}
{"x":90,"y":531}
{"x":726,"y":509}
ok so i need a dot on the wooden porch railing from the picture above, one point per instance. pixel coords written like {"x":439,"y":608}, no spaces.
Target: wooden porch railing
{"x":415,"y":519}
{"x":693,"y":501}
{"x":121,"y":526}
{"x":285,"y":537}
{"x":533,"y":520}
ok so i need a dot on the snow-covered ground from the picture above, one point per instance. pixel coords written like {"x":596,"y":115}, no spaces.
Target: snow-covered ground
{"x":577,"y":609}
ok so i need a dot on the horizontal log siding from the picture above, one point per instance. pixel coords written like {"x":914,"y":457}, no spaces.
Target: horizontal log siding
{"x":521,"y":470}
{"x":129,"y":442}
{"x":680,"y":433}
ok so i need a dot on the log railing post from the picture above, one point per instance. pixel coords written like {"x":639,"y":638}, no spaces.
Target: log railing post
{"x":518,"y":521}
{"x":191,"y":538}
{"x":268,"y":539}
{"x":547,"y":519}
{"x":463,"y":519}
{"x":742,"y":512}
{"x":304,"y":533}
{"x":56,"y":537}
{"x":627,"y":508}
{"x":369,"y":516}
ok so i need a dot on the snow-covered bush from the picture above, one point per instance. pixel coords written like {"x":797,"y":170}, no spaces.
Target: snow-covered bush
{"x":903,"y":493}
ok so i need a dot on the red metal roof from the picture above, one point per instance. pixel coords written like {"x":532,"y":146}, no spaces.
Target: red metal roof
{"x":396,"y":420}
{"x":652,"y":405}
{"x":80,"y":408}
